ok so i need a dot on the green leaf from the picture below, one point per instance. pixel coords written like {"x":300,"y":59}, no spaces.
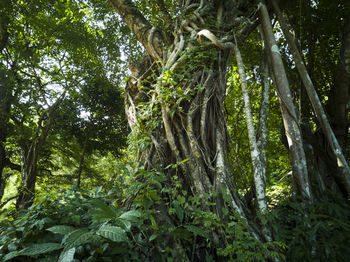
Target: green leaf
{"x":154,"y":236}
{"x":131,"y":215}
{"x":37,"y":249}
{"x":179,"y":211}
{"x":76,"y":238}
{"x":67,"y":256}
{"x":104,"y":211}
{"x":61,"y":229}
{"x":197,"y":231}
{"x":116,"y":234}
{"x":10,"y":255}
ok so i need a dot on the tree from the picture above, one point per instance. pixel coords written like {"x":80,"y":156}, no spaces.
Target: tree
{"x":176,"y":93}
{"x":93,"y":120}
{"x":45,"y":56}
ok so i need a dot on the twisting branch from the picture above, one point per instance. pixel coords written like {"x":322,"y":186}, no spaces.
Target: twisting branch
{"x":141,"y":27}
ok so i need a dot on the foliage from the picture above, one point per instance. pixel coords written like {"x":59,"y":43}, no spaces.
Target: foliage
{"x":315,"y":232}
{"x":50,"y":47}
{"x":76,"y":225}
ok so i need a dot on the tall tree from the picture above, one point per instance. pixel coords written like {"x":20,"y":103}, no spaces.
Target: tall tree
{"x":176,"y":91}
{"x":49,"y":49}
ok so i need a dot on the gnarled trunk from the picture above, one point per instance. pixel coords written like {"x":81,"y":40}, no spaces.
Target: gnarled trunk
{"x":176,"y":93}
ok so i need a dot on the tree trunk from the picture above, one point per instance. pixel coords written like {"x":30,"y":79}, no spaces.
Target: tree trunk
{"x":258,"y":167}
{"x":30,"y":157}
{"x":316,"y":104}
{"x":81,"y":163}
{"x":291,"y":125}
{"x":180,"y":106}
{"x":5,"y":107}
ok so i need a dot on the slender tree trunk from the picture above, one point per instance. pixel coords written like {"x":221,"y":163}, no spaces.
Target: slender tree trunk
{"x":5,"y":107}
{"x":338,"y":105}
{"x":258,"y":167}
{"x":81,"y":163}
{"x":315,"y":101}
{"x":262,"y":131}
{"x":289,"y":115}
{"x":30,"y":157}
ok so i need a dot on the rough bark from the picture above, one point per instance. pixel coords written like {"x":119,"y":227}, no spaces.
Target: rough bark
{"x":258,"y":167}
{"x":30,"y":157}
{"x":5,"y":107}
{"x":81,"y":162}
{"x":315,"y":101}
{"x":191,"y":125}
{"x":339,"y":97}
{"x":291,"y":125}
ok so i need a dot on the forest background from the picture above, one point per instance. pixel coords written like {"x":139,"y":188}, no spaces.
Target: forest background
{"x":174,"y":130}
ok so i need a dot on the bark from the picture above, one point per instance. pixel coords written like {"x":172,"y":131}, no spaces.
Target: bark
{"x":315,"y":101}
{"x":339,"y":97}
{"x":258,"y":167}
{"x":289,"y":115}
{"x":190,"y":125}
{"x":30,"y":157}
{"x":262,"y":130}
{"x":81,"y":163}
{"x":5,"y":107}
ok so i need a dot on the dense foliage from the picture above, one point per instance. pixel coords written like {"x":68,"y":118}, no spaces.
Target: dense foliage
{"x":171,"y":173}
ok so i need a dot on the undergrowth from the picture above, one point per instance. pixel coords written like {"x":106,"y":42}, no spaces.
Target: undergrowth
{"x":126,"y":224}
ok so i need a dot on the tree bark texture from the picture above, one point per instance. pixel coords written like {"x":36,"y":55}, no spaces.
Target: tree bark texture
{"x":341,"y":162}
{"x":291,"y":125}
{"x":30,"y":157}
{"x":185,"y":97}
{"x":258,"y":167}
{"x":5,"y":107}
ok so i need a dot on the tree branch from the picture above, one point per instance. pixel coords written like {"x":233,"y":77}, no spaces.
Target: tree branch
{"x":7,"y":200}
{"x":152,"y":40}
{"x":11,"y":165}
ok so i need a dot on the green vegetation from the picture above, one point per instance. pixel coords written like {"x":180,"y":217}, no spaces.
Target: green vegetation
{"x":124,"y":132}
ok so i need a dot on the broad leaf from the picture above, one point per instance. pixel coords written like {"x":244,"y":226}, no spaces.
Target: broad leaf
{"x":131,"y":215}
{"x":67,"y":256}
{"x":116,"y":234}
{"x":37,"y":249}
{"x":10,"y":255}
{"x":61,"y":229}
{"x":76,"y":238}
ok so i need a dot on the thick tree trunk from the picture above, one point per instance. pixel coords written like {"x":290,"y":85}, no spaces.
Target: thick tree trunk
{"x":182,"y":101}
